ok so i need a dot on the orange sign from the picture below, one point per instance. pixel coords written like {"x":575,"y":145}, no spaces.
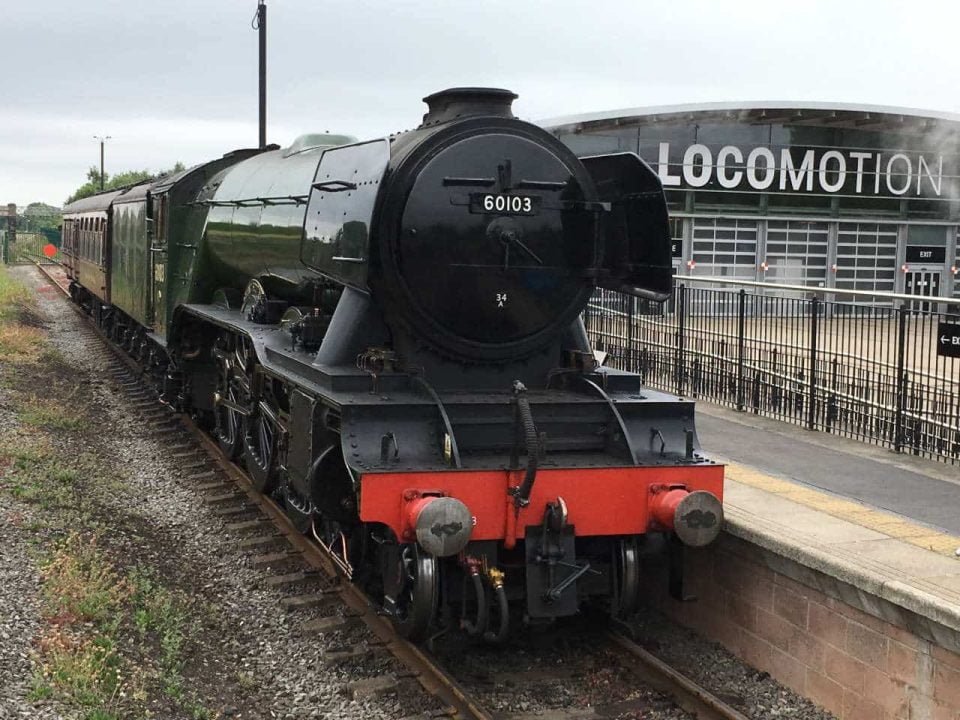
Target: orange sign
{"x":49,"y":250}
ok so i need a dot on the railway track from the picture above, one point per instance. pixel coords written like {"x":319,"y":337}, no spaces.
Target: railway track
{"x":303,"y":566}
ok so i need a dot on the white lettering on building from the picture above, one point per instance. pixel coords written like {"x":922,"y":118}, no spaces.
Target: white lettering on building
{"x":860,"y":157}
{"x":894,"y":175}
{"x":840,"y":171}
{"x":796,"y":176}
{"x":935,"y":184}
{"x":769,"y":168}
{"x":663,"y":167}
{"x":697,"y":173}
{"x":729,"y":180}
{"x":803,"y":170}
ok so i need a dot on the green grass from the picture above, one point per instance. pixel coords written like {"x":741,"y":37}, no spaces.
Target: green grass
{"x":49,"y":414}
{"x":13,"y":294}
{"x":31,"y":471}
{"x":21,"y":340}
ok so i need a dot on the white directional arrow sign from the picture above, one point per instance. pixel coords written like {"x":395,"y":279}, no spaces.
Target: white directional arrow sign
{"x":948,"y":340}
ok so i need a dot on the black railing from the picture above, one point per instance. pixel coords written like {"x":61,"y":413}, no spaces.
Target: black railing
{"x":868,"y":370}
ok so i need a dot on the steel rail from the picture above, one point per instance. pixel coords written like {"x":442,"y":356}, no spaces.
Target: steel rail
{"x":689,"y":695}
{"x":432,"y":677}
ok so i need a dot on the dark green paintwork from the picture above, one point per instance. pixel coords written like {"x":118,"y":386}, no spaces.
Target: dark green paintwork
{"x":337,"y":233}
{"x":178,"y":236}
{"x":130,"y":257}
{"x":199,"y":249}
{"x":261,"y":241}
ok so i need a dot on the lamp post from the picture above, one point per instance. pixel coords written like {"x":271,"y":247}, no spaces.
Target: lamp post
{"x":260,"y":25}
{"x":103,"y":139}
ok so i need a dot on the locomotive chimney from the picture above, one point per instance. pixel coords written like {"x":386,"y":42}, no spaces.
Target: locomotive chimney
{"x":456,"y":103}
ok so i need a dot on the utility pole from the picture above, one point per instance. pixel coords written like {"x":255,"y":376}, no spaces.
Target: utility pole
{"x":103,"y":139}
{"x":260,"y":25}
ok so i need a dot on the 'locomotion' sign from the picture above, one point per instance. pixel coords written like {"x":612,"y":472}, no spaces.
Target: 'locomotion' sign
{"x":793,"y":169}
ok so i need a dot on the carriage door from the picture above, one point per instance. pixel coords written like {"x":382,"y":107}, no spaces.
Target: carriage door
{"x":925,"y":283}
{"x":157,"y":234}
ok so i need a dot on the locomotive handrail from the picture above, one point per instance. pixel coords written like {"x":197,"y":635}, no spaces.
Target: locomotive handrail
{"x":334,"y":186}
{"x":253,"y":202}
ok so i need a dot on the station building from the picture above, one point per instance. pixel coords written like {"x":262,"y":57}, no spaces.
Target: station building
{"x":829,"y":195}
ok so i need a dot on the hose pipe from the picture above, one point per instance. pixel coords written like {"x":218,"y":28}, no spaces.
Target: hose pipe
{"x":500,"y":593}
{"x":531,"y":444}
{"x":476,"y":627}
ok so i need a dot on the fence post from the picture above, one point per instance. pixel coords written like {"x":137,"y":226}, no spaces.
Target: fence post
{"x":631,"y":350}
{"x":901,"y":379}
{"x":741,"y":332}
{"x":812,"y":397}
{"x":681,"y":332}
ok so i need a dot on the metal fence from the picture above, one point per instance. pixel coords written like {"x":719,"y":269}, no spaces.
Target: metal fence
{"x":835,"y":361}
{"x":28,"y":247}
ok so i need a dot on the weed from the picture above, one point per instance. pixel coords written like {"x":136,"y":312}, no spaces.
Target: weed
{"x":162,"y":614}
{"x":84,"y":671}
{"x":81,"y":584}
{"x":197,"y":711}
{"x":101,"y":715}
{"x":40,"y":689}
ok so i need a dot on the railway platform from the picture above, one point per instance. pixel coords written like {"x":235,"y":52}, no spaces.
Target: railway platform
{"x":826,"y":470}
{"x":839,"y":569}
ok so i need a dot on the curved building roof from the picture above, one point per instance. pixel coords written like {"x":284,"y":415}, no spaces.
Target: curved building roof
{"x":823,"y":114}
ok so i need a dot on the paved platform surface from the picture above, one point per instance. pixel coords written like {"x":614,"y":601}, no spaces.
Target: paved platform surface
{"x":920,"y":490}
{"x":886,"y":523}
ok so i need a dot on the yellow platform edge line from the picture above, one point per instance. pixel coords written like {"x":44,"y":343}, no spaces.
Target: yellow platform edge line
{"x":877,"y":520}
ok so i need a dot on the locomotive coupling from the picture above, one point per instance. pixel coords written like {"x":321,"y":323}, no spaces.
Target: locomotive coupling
{"x":696,"y":517}
{"x":441,"y":525}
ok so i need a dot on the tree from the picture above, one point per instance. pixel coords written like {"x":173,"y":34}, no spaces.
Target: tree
{"x":42,"y":216}
{"x":120,"y":180}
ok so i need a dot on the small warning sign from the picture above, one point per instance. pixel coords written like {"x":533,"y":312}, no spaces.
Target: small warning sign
{"x":948,"y":340}
{"x":49,"y":250}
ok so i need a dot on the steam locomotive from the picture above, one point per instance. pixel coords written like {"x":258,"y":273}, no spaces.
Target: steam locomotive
{"x":388,"y":335}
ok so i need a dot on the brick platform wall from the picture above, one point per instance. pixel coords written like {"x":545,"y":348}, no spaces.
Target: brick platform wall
{"x":846,"y":660}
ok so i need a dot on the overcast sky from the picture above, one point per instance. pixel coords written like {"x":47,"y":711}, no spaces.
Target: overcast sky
{"x":175,"y":80}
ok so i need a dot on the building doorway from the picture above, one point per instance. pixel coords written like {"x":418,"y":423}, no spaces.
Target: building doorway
{"x":925,"y":283}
